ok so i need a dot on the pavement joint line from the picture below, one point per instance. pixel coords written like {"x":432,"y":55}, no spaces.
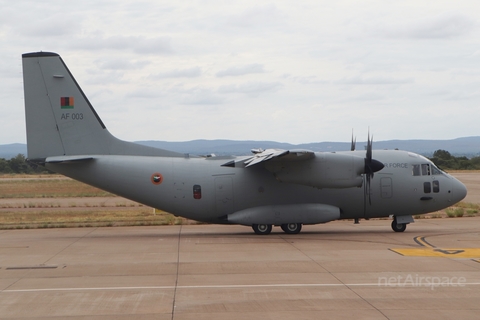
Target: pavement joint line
{"x":176,"y":274}
{"x":284,"y":285}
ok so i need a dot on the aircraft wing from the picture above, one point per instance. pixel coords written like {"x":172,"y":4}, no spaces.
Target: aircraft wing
{"x":305,"y":167}
{"x":269,"y":154}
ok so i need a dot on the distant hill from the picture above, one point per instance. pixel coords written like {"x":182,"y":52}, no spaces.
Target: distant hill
{"x":467,"y":146}
{"x":8,"y":151}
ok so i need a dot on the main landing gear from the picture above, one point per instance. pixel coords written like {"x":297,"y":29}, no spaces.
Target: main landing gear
{"x":289,"y":228}
{"x":262,"y":229}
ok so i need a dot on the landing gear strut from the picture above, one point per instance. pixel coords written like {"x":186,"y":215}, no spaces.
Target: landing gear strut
{"x":398,"y":227}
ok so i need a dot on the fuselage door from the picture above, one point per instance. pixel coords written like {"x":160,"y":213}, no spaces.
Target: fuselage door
{"x":223,"y":195}
{"x":386,"y":187}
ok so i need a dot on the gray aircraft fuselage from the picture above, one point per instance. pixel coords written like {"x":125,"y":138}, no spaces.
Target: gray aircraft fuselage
{"x":273,"y":187}
{"x":223,"y":190}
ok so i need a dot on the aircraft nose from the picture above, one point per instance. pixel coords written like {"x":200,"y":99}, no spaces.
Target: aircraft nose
{"x":459,"y":191}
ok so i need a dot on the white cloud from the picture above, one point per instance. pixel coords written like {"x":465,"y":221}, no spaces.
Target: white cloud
{"x":445,"y":25}
{"x":256,"y":18}
{"x":250,"y":88}
{"x":180,"y":73}
{"x":374,"y":80}
{"x":52,"y":26}
{"x":121,"y":64}
{"x":320,"y":68}
{"x":240,"y":71}
{"x":136,"y":44}
{"x":201,"y":96}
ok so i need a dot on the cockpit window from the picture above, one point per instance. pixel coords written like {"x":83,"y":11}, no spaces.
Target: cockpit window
{"x":416,"y":169}
{"x":436,"y":171}
{"x":425,"y":169}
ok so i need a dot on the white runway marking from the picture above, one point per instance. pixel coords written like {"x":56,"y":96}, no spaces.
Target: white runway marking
{"x":284,"y":285}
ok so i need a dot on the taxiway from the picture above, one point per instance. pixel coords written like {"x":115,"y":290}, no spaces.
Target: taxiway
{"x":337,"y":270}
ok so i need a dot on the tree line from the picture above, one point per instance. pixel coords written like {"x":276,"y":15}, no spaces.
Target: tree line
{"x":19,"y":164}
{"x":442,"y":158}
{"x":445,"y":161}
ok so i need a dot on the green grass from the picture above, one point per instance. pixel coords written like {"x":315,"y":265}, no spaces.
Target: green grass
{"x":141,"y":216}
{"x":455,"y":212}
{"x":74,"y":213}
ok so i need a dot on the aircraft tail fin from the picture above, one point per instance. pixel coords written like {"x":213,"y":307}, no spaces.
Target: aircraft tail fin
{"x":60,"y":119}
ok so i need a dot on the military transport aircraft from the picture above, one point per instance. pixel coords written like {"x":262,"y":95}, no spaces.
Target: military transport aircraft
{"x":286,"y":188}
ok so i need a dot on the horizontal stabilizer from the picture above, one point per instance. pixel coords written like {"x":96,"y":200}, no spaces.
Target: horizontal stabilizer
{"x":68,"y":159}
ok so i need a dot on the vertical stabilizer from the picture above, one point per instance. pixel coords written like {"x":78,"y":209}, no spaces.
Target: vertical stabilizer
{"x":60,"y":119}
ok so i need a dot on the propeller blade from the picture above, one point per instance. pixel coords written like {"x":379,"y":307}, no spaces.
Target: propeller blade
{"x":354,"y":141}
{"x":371,"y":166}
{"x":369,"y":147}
{"x":367,"y":190}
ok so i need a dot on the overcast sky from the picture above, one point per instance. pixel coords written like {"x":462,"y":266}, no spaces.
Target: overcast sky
{"x":287,"y":71}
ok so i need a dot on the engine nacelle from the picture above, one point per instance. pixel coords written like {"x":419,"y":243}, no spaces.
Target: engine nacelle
{"x":305,"y":213}
{"x":326,"y":170}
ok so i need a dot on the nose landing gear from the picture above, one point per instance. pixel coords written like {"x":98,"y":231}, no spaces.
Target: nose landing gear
{"x":399,"y":224}
{"x":398,"y":227}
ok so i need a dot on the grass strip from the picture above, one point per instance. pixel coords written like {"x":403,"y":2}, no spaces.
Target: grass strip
{"x":87,"y":218}
{"x":47,"y":188}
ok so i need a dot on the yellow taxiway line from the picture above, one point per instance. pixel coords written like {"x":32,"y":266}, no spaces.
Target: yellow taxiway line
{"x":429,"y":250}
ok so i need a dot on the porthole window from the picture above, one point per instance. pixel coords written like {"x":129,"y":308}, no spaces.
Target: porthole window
{"x":197,"y":192}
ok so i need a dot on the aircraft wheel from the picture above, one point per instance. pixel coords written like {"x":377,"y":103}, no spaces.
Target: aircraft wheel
{"x":262,"y":229}
{"x":398,"y":227}
{"x":291,"y":228}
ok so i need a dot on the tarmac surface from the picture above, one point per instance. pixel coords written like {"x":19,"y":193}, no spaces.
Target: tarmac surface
{"x":337,"y":270}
